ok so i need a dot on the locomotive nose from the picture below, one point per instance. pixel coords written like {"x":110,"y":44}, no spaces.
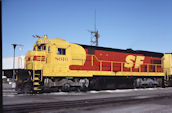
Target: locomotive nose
{"x":35,"y":59}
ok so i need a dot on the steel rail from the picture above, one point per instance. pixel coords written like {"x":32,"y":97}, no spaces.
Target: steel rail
{"x":36,"y":107}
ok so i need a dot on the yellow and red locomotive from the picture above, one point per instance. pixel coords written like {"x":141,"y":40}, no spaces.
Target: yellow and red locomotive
{"x":59,"y":65}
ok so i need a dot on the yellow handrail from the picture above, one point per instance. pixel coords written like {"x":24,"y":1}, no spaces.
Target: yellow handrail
{"x":100,"y":65}
{"x":140,"y":69}
{"x":111,"y":66}
{"x":122,"y":64}
{"x":20,"y":62}
{"x":147,"y":68}
{"x":92,"y":60}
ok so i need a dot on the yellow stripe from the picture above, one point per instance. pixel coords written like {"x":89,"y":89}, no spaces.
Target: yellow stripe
{"x":78,"y":73}
{"x":36,"y":78}
{"x":36,"y":88}
{"x":36,"y":83}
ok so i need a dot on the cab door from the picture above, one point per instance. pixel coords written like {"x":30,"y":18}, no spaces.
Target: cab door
{"x":61,"y":60}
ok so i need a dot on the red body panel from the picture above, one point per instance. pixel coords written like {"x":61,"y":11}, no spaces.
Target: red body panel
{"x":118,"y":58}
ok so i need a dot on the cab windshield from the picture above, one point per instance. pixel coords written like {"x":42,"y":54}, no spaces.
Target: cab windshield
{"x":41,"y":47}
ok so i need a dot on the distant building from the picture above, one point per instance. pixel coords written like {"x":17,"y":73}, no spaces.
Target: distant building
{"x":7,"y":65}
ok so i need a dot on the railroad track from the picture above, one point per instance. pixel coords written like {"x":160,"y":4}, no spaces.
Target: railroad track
{"x":37,"y":107}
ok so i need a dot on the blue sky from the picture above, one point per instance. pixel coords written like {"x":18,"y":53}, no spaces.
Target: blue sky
{"x":136,"y":24}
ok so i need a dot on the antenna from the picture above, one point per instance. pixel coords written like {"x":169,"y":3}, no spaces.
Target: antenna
{"x":36,"y":36}
{"x":94,"y":34}
{"x":95,"y":20}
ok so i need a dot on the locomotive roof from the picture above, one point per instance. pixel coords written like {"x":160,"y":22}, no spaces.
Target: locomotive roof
{"x":145,"y":53}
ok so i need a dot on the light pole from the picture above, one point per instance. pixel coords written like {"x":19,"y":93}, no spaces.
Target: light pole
{"x":14,"y":46}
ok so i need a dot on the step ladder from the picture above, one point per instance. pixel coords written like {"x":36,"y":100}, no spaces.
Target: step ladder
{"x":166,"y":79}
{"x":37,"y":79}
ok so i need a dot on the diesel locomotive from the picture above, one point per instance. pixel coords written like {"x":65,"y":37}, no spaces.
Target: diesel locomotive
{"x":57,"y":65}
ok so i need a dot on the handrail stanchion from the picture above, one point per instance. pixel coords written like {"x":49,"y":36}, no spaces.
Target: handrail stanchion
{"x":100,"y":65}
{"x":122,"y":67}
{"x":91,"y":60}
{"x":140,"y":68}
{"x":156,"y":68}
{"x":111,"y":66}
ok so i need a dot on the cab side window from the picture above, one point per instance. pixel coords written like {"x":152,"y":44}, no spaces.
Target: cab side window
{"x":61,"y":51}
{"x":39,"y":48}
{"x":43,"y":47}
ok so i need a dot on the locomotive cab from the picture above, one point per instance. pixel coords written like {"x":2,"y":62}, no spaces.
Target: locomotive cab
{"x":54,"y":56}
{"x":36,"y":59}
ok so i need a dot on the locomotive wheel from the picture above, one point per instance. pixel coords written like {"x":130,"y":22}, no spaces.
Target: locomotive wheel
{"x":84,"y":89}
{"x":94,"y":84}
{"x":27,"y":89}
{"x":66,"y":87}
